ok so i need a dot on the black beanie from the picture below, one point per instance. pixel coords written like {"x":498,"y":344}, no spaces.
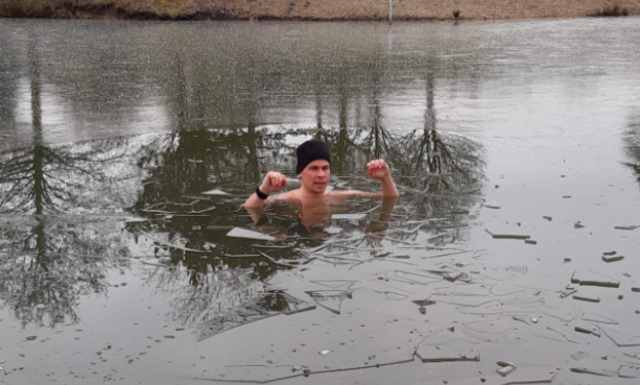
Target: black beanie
{"x":309,"y":151}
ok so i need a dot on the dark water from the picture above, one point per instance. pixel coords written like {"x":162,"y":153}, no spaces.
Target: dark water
{"x":127,"y":149}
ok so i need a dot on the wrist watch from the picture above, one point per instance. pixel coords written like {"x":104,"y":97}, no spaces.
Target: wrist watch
{"x":260,"y":194}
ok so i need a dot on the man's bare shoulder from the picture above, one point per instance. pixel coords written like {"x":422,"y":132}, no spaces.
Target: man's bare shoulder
{"x":294,"y":195}
{"x":351,"y":193}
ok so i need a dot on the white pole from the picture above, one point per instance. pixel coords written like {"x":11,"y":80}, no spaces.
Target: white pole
{"x":390,"y":11}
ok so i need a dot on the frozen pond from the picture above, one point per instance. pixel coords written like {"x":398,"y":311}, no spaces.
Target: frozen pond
{"x":512,"y":255}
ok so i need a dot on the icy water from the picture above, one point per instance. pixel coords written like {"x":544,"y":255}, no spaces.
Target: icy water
{"x":511,"y":256}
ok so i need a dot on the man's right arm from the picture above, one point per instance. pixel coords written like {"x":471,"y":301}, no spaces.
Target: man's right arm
{"x":272,"y":183}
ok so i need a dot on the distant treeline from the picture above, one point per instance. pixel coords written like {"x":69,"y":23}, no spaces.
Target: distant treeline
{"x":314,"y":9}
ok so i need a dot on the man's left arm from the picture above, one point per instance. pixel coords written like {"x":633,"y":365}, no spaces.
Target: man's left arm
{"x":379,"y":169}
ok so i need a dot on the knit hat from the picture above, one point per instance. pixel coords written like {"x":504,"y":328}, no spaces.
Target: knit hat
{"x":309,"y":151}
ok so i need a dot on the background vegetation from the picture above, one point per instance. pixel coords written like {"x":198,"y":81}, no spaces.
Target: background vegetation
{"x":315,"y":9}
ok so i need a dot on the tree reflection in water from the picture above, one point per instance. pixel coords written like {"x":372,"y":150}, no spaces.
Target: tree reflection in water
{"x":180,"y":168}
{"x":443,"y":172}
{"x":633,"y":145}
{"x":48,"y":261}
{"x":210,"y":274}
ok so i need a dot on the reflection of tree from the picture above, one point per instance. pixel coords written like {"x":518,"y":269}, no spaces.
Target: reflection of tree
{"x":181,"y":166}
{"x":427,"y":152}
{"x":446,"y":168}
{"x":47,"y":264}
{"x":187,"y":162}
{"x":351,"y":147}
{"x":33,"y":177}
{"x":206,"y":269}
{"x":201,"y":292}
{"x":377,"y":141}
{"x":633,"y":144}
{"x":8,"y":83}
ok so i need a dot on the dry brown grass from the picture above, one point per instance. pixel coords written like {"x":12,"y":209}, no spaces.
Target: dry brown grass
{"x":312,"y":9}
{"x":171,"y":9}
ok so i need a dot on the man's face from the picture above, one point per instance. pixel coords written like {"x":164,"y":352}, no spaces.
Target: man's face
{"x":315,"y":176}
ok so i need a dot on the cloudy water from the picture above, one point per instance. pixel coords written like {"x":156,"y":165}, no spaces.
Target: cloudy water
{"x":511,"y":256}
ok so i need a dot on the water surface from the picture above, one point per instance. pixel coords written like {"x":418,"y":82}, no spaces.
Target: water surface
{"x":128,"y":147}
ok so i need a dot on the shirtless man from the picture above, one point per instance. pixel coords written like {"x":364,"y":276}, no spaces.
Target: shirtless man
{"x":314,"y":169}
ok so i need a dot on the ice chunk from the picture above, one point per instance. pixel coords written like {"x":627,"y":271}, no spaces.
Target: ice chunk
{"x":349,"y":216}
{"x":564,"y":313}
{"x":612,"y":258}
{"x":492,"y":205}
{"x":565,"y":331}
{"x":410,"y":277}
{"x":580,"y":355}
{"x":624,"y":337}
{"x":330,"y":299}
{"x":626,"y":227}
{"x":587,"y":329}
{"x":254,"y":309}
{"x":532,"y":375}
{"x":629,"y":371}
{"x":238,"y":232}
{"x":587,"y":298}
{"x":336,"y":284}
{"x":445,"y":353}
{"x":391,"y":295}
{"x":505,"y":289}
{"x":593,"y":317}
{"x":595,"y":372}
{"x":505,"y":370}
{"x":590,"y":278}
{"x":447,"y":345}
{"x":635,"y":356}
{"x":424,"y":302}
{"x":499,"y":234}
{"x":214,"y":192}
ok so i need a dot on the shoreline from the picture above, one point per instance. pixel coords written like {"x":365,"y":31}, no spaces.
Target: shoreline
{"x":315,"y":10}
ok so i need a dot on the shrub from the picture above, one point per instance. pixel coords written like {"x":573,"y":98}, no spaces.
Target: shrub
{"x":614,"y":11}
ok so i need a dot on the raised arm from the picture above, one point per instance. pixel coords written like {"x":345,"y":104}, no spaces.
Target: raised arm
{"x":378,"y":169}
{"x":272,"y":183}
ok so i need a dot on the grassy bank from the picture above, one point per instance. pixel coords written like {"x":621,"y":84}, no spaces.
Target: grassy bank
{"x":315,"y":9}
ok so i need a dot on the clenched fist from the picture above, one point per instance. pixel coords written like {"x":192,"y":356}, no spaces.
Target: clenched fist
{"x":273,"y":182}
{"x":378,"y":169}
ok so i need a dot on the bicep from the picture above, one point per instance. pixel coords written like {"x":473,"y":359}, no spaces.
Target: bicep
{"x":280,"y":197}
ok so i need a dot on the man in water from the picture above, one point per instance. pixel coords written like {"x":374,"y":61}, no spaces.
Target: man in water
{"x":314,"y":205}
{"x":314,"y":169}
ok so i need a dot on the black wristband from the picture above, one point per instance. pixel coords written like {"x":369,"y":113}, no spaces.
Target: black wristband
{"x":260,"y":194}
